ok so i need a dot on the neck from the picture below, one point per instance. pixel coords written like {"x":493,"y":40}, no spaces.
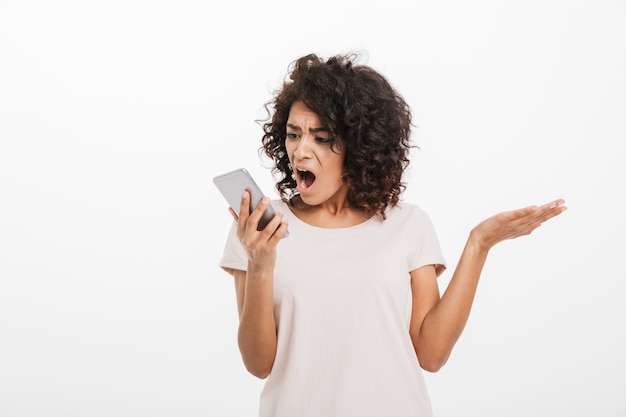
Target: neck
{"x":330,"y":214}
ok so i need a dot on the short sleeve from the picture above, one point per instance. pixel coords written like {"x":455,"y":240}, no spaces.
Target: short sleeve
{"x":234,"y":255}
{"x":427,"y":250}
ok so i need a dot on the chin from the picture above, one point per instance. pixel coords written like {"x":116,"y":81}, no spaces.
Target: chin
{"x":312,"y":200}
{"x":307,"y":200}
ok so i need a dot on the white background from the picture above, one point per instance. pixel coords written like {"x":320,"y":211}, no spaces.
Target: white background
{"x":115,"y":116}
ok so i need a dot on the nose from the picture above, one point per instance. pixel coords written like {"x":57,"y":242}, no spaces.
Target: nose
{"x":303,"y":149}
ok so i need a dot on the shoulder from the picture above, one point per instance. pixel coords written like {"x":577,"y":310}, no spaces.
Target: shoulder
{"x":403,"y":211}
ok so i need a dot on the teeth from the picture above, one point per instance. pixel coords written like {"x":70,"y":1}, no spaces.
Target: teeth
{"x":302,"y":173}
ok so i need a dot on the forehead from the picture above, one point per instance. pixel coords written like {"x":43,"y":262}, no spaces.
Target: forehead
{"x":300,"y":115}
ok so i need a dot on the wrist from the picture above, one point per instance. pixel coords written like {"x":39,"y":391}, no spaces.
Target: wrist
{"x":478,"y":242}
{"x":260,"y":270}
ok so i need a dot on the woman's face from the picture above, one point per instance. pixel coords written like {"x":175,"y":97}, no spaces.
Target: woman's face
{"x":318,"y":168}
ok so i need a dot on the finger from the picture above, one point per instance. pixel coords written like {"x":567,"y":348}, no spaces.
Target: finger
{"x":534,"y":213}
{"x":279,"y":233}
{"x":257,"y":213}
{"x":523,"y":213}
{"x":244,"y":213}
{"x":553,"y":204}
{"x":244,"y":208}
{"x":551,"y":207}
{"x":272,"y":226}
{"x":233,"y":214}
{"x":544,"y":213}
{"x":553,"y":210}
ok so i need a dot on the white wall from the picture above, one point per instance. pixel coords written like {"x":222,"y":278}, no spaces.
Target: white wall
{"x":114,"y":117}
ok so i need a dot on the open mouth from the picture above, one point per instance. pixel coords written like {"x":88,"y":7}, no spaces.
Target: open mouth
{"x":307,"y":178}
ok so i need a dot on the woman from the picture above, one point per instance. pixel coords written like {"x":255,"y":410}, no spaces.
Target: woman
{"x":341,"y":315}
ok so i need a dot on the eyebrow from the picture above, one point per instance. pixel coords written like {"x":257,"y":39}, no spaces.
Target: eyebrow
{"x":312,"y":130}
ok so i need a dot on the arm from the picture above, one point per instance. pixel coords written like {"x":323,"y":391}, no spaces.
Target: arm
{"x":437,"y":323}
{"x":254,"y":288}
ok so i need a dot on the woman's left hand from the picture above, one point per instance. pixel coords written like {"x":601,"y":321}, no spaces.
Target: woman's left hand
{"x":516,"y":223}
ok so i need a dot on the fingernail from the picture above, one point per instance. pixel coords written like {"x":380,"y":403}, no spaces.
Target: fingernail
{"x":265,"y":200}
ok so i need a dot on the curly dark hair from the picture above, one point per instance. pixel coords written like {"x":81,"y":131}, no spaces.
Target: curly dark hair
{"x":365,"y":116}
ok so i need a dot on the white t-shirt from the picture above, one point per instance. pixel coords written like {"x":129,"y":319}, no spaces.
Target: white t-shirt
{"x":342,"y":305}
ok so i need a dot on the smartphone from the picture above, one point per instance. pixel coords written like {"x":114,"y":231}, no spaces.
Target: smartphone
{"x":232,"y":185}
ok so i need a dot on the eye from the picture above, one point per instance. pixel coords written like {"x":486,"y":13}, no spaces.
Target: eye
{"x":292,"y":135}
{"x":323,"y":140}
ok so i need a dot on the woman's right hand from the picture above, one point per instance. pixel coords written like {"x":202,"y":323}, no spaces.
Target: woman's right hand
{"x":259,"y":245}
{"x":257,"y":327}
